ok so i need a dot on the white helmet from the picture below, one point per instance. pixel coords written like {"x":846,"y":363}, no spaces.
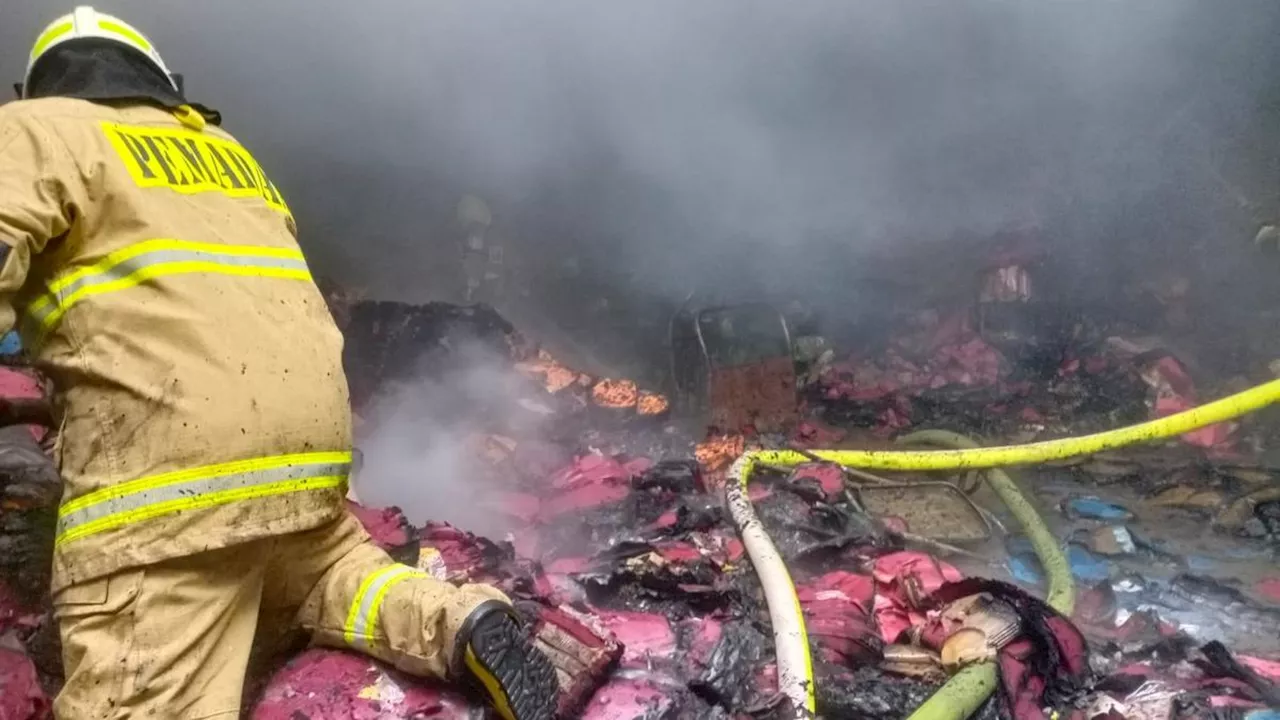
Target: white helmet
{"x":474,"y":211}
{"x":85,"y":22}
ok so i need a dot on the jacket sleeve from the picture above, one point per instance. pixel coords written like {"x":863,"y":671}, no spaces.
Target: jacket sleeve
{"x":34,"y":207}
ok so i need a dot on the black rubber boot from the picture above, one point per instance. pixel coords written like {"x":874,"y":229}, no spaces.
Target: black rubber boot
{"x":495,"y":652}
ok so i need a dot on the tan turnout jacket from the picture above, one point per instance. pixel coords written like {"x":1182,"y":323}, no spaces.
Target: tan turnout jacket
{"x":153,"y":270}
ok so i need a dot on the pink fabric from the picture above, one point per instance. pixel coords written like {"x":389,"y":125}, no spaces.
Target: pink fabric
{"x":591,"y":481}
{"x":1175,"y":392}
{"x":947,"y":354}
{"x":590,"y":470}
{"x":666,"y":520}
{"x":387,"y":526}
{"x":1226,"y":701}
{"x":521,"y":506}
{"x":332,"y":685}
{"x":1096,"y":605}
{"x":1270,"y":589}
{"x":702,"y":635}
{"x":625,"y":699}
{"x":678,"y":552}
{"x":1269,"y":669}
{"x":466,"y":556}
{"x":826,"y":476}
{"x":645,"y":637}
{"x":766,"y":680}
{"x":18,"y":385}
{"x":734,"y":549}
{"x":20,"y":695}
{"x":841,"y":588}
{"x":813,"y":434}
{"x":903,"y":579}
{"x":969,"y":363}
{"x":583,"y":498}
{"x":569,"y":565}
{"x":838,"y":616}
{"x":637,"y":466}
{"x":918,"y":568}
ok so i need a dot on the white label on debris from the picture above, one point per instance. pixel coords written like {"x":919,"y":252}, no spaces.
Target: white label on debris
{"x":432,"y":563}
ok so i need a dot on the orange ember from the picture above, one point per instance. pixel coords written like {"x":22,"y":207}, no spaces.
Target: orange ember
{"x":615,"y":394}
{"x":719,"y":452}
{"x":555,"y":376}
{"x":652,"y":404}
{"x":559,"y":377}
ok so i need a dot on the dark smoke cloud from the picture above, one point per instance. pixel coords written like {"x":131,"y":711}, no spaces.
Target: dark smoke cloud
{"x":719,"y":143}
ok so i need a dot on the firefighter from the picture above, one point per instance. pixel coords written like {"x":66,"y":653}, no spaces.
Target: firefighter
{"x":483,"y":261}
{"x":152,"y":267}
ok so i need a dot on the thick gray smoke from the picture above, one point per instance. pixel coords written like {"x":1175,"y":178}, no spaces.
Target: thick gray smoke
{"x":633,"y":152}
{"x":680,"y":144}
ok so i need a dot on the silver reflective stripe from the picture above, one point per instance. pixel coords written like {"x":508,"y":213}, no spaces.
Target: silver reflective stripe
{"x":361,"y":630}
{"x":195,"y":488}
{"x":132,"y":265}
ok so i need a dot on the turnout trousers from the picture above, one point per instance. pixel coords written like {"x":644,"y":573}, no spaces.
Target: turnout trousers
{"x":173,"y":639}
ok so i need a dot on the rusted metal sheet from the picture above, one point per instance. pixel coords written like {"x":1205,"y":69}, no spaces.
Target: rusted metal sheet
{"x":762,"y":394}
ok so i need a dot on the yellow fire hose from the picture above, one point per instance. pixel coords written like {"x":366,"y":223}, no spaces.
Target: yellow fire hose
{"x":969,"y":688}
{"x":1218,"y":411}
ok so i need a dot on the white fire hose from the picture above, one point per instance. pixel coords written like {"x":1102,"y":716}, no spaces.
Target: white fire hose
{"x":795,"y":666}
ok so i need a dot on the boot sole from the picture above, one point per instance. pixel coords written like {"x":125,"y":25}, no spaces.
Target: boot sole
{"x":520,"y":679}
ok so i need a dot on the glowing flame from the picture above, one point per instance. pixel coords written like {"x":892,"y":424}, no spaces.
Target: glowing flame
{"x":615,"y":394}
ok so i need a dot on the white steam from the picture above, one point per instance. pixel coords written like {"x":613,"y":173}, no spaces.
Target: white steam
{"x":423,"y":442}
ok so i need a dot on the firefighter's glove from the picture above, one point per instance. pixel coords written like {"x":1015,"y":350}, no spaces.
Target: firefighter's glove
{"x":28,"y":478}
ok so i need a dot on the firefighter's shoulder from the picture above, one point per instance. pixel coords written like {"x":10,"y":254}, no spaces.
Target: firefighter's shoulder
{"x":48,"y":108}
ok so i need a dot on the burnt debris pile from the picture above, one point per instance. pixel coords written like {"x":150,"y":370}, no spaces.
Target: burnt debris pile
{"x":619,"y":551}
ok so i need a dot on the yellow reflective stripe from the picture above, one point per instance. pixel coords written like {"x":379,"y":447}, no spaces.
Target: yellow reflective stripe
{"x":197,"y":488}
{"x":198,"y":502}
{"x":376,"y":610}
{"x":353,"y":614}
{"x":150,"y":259}
{"x":152,"y":272}
{"x":49,"y":36}
{"x":497,"y":693}
{"x":366,"y":607}
{"x":180,"y":476}
{"x":147,"y":246}
{"x":133,"y":35}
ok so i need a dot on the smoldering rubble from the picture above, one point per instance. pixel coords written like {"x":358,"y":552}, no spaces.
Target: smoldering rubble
{"x":604,"y":519}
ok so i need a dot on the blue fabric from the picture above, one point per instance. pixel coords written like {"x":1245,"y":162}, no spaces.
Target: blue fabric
{"x":1087,"y":566}
{"x":10,"y":344}
{"x":1026,"y":570}
{"x":1093,"y":508}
